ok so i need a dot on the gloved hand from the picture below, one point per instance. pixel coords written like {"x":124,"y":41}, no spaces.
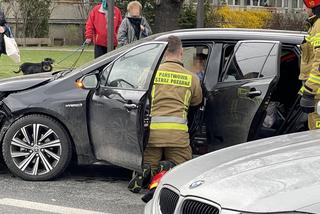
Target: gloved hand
{"x":307,"y":102}
{"x":301,"y":90}
{"x":148,"y":196}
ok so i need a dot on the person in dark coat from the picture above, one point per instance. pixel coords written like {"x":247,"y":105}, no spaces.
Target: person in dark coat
{"x":3,"y":30}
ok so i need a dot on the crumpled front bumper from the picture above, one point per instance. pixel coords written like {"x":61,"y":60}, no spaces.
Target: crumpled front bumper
{"x":4,"y":115}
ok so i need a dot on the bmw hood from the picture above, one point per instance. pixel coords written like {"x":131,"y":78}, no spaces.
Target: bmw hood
{"x":23,"y":82}
{"x":270,"y":175}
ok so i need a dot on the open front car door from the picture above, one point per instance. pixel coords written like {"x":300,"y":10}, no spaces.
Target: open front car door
{"x":117,"y":107}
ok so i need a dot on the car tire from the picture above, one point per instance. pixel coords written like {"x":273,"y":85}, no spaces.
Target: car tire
{"x":44,"y":160}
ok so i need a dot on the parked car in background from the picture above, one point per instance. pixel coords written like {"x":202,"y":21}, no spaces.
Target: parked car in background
{"x":273,"y":175}
{"x":99,"y":111}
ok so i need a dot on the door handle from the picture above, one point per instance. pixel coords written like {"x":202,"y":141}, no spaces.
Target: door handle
{"x":253,"y":94}
{"x":130,"y":106}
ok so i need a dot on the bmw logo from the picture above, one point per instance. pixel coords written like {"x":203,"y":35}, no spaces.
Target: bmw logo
{"x":196,"y":184}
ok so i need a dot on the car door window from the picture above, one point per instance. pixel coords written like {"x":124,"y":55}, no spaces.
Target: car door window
{"x":227,"y":54}
{"x":131,"y":70}
{"x":195,"y":59}
{"x":270,"y":66}
{"x":248,"y":61}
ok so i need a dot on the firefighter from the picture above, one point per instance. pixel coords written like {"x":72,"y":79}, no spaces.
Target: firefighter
{"x":174,"y":90}
{"x":306,"y":49}
{"x":310,"y":65}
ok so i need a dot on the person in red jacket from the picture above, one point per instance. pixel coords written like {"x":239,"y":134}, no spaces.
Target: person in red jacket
{"x":96,"y":28}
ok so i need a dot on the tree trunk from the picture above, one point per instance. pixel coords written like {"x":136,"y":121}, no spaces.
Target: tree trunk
{"x":200,"y":14}
{"x":166,"y":15}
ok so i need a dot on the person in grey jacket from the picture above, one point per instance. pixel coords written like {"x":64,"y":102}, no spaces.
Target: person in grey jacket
{"x":133,"y":26}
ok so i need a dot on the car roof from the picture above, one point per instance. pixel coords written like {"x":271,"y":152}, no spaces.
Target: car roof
{"x":223,"y":34}
{"x":232,"y":34}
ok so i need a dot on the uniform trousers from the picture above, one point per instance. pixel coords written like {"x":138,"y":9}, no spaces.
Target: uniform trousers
{"x":177,"y":155}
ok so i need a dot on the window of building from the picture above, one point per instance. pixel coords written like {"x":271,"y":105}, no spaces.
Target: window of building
{"x":279,"y":3}
{"x":300,"y":4}
{"x":233,"y":2}
{"x":271,"y":3}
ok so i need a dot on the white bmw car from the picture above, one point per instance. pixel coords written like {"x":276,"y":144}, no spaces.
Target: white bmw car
{"x":274,"y":175}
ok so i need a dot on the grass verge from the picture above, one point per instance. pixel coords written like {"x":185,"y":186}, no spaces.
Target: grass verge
{"x":36,"y":55}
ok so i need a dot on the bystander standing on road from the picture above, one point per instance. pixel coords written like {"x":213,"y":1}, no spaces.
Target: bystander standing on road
{"x":174,"y":90}
{"x":97,"y":30}
{"x":134,"y":26}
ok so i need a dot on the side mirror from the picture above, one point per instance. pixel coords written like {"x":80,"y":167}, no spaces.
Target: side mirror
{"x":89,"y":81}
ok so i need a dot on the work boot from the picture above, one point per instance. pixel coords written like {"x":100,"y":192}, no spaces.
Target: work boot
{"x":140,"y":180}
{"x":153,"y":186}
{"x":148,"y":196}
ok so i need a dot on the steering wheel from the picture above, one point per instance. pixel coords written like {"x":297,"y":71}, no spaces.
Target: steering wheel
{"x":119,"y":83}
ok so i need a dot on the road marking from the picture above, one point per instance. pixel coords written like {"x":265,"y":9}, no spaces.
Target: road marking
{"x":45,"y":207}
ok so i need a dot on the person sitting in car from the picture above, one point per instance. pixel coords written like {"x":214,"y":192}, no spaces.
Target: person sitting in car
{"x":199,"y":65}
{"x":134,"y":26}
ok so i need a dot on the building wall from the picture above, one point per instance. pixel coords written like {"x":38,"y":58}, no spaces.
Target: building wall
{"x":66,"y":24}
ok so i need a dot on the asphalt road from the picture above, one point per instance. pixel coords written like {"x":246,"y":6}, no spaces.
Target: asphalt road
{"x":85,"y":190}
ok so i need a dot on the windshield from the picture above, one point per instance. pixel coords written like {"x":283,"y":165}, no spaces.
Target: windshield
{"x":116,"y":52}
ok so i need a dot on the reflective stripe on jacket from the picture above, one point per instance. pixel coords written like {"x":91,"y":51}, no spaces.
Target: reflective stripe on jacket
{"x":307,"y":54}
{"x":312,"y":84}
{"x":173,"y":91}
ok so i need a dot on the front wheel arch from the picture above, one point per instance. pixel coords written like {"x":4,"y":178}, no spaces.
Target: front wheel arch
{"x":9,"y":121}
{"x":59,"y":155}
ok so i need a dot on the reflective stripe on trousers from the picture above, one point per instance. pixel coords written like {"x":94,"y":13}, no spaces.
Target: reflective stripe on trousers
{"x":168,"y":119}
{"x":169,"y":122}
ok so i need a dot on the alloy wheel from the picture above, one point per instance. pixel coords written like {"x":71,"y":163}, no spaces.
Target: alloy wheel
{"x":35,"y":149}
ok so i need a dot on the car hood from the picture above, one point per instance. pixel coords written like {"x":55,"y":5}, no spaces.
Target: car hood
{"x":23,"y":82}
{"x":269,"y":175}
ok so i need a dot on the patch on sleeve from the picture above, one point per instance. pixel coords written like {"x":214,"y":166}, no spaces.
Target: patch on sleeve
{"x":315,"y":40}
